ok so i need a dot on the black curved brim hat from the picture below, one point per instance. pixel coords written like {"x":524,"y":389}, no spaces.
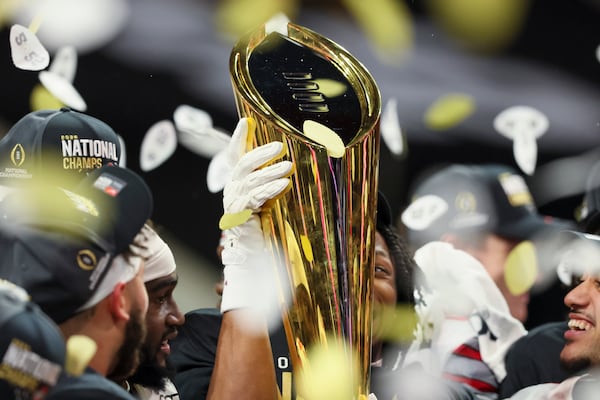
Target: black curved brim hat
{"x":61,"y":244}
{"x":63,"y":142}
{"x":483,"y":198}
{"x":32,"y":349}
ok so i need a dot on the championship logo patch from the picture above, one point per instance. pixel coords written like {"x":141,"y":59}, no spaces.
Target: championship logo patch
{"x":467,"y":215}
{"x":17,"y":155}
{"x":86,"y":259}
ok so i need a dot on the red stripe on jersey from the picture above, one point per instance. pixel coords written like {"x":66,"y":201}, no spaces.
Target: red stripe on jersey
{"x":474,"y":383}
{"x":466,"y":351}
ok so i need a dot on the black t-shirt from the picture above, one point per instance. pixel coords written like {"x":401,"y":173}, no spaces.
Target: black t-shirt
{"x":535,"y":359}
{"x":193,"y":354}
{"x":89,"y":386}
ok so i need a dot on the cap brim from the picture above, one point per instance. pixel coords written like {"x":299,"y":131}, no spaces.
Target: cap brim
{"x":533,"y":226}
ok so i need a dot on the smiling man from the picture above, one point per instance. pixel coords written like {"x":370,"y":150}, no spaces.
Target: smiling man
{"x":581,"y":352}
{"x":581,"y":349}
{"x":152,"y":379}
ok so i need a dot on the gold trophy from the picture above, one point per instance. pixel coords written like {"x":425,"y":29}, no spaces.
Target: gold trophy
{"x":323,"y":229}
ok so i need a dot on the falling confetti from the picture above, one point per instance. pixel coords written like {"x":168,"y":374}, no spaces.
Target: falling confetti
{"x":489,"y":25}
{"x":80,"y":350}
{"x":521,"y":268}
{"x":324,"y":136}
{"x":64,"y":63}
{"x":42,"y":99}
{"x":7,"y":9}
{"x":237,"y":17}
{"x":423,"y":212}
{"x":87,"y":25}
{"x":123,"y":157}
{"x":63,"y":90}
{"x":387,"y":23}
{"x":328,"y":373}
{"x":390,"y":129}
{"x":277,"y":23}
{"x":449,"y":111}
{"x":159,"y":143}
{"x":523,"y":125}
{"x":195,"y":131}
{"x":27,"y":51}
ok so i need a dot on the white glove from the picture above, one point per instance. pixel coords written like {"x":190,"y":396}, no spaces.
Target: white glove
{"x":249,"y":187}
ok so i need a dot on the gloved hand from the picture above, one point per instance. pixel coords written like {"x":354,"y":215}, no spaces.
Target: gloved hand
{"x":247,"y":190}
{"x":250,"y":186}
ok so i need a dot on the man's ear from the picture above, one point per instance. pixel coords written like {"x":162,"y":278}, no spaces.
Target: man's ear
{"x":118,"y":303}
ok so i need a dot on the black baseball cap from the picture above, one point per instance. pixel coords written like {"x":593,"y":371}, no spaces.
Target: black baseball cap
{"x":56,"y":142}
{"x":479,"y":198}
{"x":32,"y":349}
{"x":63,"y":246}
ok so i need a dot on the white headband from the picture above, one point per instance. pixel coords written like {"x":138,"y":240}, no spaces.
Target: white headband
{"x":158,"y":257}
{"x":120,"y":270}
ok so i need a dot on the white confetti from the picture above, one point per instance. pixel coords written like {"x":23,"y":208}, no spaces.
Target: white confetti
{"x":63,"y":90}
{"x":277,"y":23}
{"x":196,"y":132}
{"x":390,"y":129}
{"x":27,"y":51}
{"x":523,"y":125}
{"x":64,"y":63}
{"x":87,"y":25}
{"x":123,"y":158}
{"x":422,"y":212}
{"x":159,"y":143}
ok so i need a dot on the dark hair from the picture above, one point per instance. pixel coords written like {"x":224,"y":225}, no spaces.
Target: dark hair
{"x":404,"y":264}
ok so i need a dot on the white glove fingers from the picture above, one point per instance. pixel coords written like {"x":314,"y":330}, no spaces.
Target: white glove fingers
{"x":256,"y":158}
{"x":237,"y":145}
{"x":268,"y":174}
{"x":258,"y":196}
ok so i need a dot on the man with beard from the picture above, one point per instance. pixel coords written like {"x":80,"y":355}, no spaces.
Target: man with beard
{"x":580,"y":353}
{"x":72,"y":251}
{"x":153,"y":377}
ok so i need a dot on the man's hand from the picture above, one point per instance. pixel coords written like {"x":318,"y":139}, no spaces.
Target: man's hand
{"x":249,"y":186}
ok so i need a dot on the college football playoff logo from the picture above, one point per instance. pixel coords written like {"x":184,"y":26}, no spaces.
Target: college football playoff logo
{"x":17,"y":155}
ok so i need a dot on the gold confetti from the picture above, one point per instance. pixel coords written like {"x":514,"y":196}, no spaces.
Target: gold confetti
{"x":80,"y":350}
{"x":229,"y":221}
{"x":237,"y":17}
{"x":489,"y":25}
{"x":42,"y":99}
{"x":448,"y":111}
{"x":328,"y":372}
{"x":324,"y":136}
{"x":521,"y":268}
{"x":394,"y":323}
{"x":387,"y":23}
{"x":331,"y":88}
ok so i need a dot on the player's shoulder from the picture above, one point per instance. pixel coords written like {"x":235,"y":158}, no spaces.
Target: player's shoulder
{"x":547,"y":331}
{"x":88,"y":386}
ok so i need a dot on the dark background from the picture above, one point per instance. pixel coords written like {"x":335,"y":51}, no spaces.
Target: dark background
{"x":131,"y":88}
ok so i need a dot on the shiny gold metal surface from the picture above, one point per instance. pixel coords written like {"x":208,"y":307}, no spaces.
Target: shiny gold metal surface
{"x":323,"y":229}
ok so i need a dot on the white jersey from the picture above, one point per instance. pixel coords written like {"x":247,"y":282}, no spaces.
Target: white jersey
{"x":169,"y":392}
